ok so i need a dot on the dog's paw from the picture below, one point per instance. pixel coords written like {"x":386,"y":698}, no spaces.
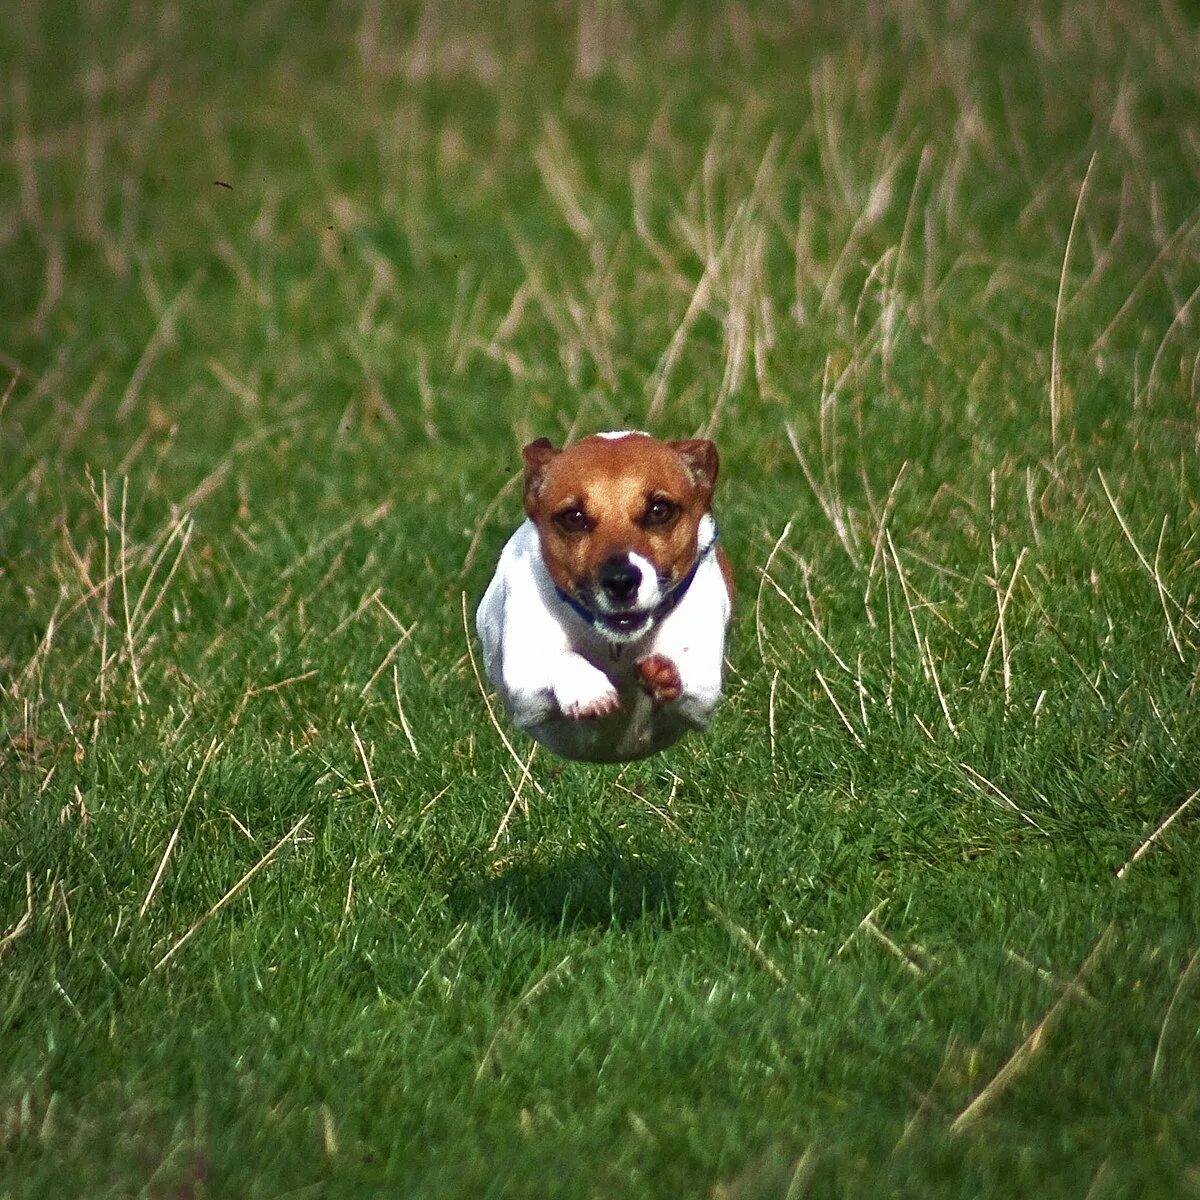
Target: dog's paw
{"x":583,"y":692}
{"x":602,"y":706}
{"x":659,"y":678}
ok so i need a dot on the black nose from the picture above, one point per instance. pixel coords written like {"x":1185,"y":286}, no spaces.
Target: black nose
{"x":620,"y":579}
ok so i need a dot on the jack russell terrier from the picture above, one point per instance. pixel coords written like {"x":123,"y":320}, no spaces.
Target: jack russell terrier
{"x":603,"y":628}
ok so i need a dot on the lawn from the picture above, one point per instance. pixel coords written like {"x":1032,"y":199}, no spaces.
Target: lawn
{"x":283,"y":291}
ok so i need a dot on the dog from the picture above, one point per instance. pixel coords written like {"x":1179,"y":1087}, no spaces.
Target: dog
{"x":603,"y":629}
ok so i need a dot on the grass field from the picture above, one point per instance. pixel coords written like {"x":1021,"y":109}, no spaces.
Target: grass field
{"x":284,"y":289}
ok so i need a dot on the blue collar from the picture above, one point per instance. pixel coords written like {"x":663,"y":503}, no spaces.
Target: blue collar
{"x":667,"y":604}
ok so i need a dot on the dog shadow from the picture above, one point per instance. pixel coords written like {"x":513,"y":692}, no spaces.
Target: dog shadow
{"x":601,"y":887}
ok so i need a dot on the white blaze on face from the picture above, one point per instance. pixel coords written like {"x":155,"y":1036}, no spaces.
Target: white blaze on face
{"x":648,"y":593}
{"x":613,"y":435}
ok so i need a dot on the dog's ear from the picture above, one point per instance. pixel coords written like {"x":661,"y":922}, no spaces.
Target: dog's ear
{"x":700,"y":458}
{"x":538,"y":456}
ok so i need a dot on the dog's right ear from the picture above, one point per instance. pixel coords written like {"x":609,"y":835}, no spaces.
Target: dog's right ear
{"x":538,"y":456}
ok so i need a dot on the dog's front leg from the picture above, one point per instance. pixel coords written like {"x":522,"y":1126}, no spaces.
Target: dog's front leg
{"x":688,"y":683}
{"x":685,"y":669}
{"x":581,"y":689}
{"x":659,"y":678}
{"x":540,"y":685}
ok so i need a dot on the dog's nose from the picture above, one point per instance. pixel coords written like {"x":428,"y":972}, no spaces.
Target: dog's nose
{"x":620,"y":579}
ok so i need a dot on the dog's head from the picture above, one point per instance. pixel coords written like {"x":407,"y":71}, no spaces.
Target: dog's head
{"x":618,"y":517}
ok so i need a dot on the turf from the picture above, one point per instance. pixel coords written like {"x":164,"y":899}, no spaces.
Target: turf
{"x":284,"y":289}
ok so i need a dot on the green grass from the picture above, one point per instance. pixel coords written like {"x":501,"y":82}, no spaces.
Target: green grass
{"x":930,"y":281}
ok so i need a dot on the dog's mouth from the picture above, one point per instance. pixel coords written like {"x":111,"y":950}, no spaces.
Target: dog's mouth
{"x":621,"y":624}
{"x":625,"y":618}
{"x":615,"y":613}
{"x":624,"y":622}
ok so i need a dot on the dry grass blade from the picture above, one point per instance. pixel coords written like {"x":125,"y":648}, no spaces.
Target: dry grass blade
{"x":435,"y":962}
{"x":516,"y":799}
{"x":22,"y":925}
{"x":1181,"y":320}
{"x":771,"y":711}
{"x":1049,"y":977}
{"x":841,"y":714}
{"x":129,"y":636}
{"x":661,"y":814}
{"x":213,"y":746}
{"x":161,"y":871}
{"x":742,"y":938}
{"x":905,"y":959}
{"x":233,"y":892}
{"x":283,"y":683}
{"x":366,"y":762}
{"x":163,"y":332}
{"x":534,"y":989}
{"x":661,"y":378}
{"x":985,"y":787}
{"x":366,"y":521}
{"x":1182,"y":232}
{"x":1164,"y":594}
{"x":1159,"y":830}
{"x":1055,"y":371}
{"x":562,"y":179}
{"x":1162,"y":1033}
{"x":487,"y":700}
{"x":923,"y":649}
{"x":181,"y":530}
{"x":1028,"y":1050}
{"x":831,"y":506}
{"x":763,"y":573}
{"x":877,"y":553}
{"x":811,"y":624}
{"x":387,"y":658}
{"x":999,"y":633}
{"x":408,"y":733}
{"x":1162,"y":599}
{"x":485,"y":520}
{"x":8,"y":391}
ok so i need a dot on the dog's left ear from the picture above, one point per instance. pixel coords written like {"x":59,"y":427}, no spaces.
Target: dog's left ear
{"x":538,"y":456}
{"x":700,"y":458}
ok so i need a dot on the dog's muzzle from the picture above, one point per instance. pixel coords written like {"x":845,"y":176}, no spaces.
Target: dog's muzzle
{"x":619,"y":580}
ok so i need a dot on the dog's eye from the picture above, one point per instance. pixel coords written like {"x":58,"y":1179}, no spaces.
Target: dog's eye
{"x":660,"y":511}
{"x":572,"y":520}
